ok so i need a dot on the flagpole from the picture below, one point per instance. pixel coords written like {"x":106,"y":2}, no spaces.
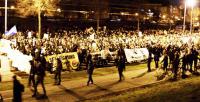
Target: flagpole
{"x":6,"y":14}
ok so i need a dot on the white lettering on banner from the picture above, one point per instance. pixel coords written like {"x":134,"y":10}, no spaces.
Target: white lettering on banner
{"x":137,"y":54}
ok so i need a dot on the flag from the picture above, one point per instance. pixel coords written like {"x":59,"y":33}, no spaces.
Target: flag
{"x":12,"y":31}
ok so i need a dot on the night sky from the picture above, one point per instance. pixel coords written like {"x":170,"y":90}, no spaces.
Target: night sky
{"x":166,"y":2}
{"x":163,"y":2}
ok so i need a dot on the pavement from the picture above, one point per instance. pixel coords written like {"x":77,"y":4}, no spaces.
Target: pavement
{"x":78,"y":91}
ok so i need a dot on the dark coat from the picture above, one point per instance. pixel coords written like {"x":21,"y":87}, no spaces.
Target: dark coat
{"x":176,"y":61}
{"x":121,"y":63}
{"x":18,"y":88}
{"x":59,"y":66}
{"x":40,"y":69}
{"x":90,"y":67}
{"x":165,"y":61}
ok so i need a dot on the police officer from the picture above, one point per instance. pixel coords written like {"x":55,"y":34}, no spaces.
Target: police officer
{"x":58,"y":72}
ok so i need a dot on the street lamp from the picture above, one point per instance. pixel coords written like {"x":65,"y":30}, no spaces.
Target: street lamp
{"x":12,"y":7}
{"x":190,"y":3}
{"x":138,"y":25}
{"x":6,"y":16}
{"x":58,"y":10}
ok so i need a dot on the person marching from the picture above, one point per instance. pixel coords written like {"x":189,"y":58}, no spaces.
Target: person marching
{"x":18,"y":88}
{"x":90,"y":69}
{"x":58,"y":72}
{"x":175,"y":64}
{"x":184,"y":64}
{"x":32,"y":74}
{"x":40,"y":72}
{"x":165,"y":61}
{"x":121,"y":62}
{"x":149,"y":60}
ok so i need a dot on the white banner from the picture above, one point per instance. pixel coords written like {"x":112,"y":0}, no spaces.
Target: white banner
{"x":19,"y":60}
{"x":137,"y":54}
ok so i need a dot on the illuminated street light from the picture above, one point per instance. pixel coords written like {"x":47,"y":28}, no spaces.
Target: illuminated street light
{"x":138,"y":19}
{"x":136,"y":14}
{"x":58,"y":10}
{"x":122,"y":13}
{"x":164,"y":16}
{"x":190,"y":3}
{"x":12,"y":7}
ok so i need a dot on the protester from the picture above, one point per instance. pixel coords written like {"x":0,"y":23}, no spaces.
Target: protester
{"x":32,"y":73}
{"x":40,"y":73}
{"x":58,"y":72}
{"x":121,"y":62}
{"x":1,"y":98}
{"x":175,"y":64}
{"x":90,"y":69}
{"x":81,"y":41}
{"x":165,"y":62}
{"x":149,"y":60}
{"x":18,"y":88}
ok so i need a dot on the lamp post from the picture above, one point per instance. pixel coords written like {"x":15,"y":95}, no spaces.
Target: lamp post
{"x":184,"y":17}
{"x":138,"y":22}
{"x":6,"y":15}
{"x":190,"y":3}
{"x":191,"y":21}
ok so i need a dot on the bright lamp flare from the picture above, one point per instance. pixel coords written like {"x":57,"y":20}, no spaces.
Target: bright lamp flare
{"x":191,"y":3}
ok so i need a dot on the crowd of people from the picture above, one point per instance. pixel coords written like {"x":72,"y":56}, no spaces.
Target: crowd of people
{"x":173,"y":49}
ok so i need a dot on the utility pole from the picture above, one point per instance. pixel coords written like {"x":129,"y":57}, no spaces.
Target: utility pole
{"x":98,"y":14}
{"x":6,"y":15}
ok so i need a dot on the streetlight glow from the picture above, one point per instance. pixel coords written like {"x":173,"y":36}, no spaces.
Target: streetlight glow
{"x":12,"y":7}
{"x":59,"y":10}
{"x":136,"y":14}
{"x":164,"y":16}
{"x":191,"y":3}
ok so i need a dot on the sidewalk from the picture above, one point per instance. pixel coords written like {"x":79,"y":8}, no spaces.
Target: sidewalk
{"x":77,"y":90}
